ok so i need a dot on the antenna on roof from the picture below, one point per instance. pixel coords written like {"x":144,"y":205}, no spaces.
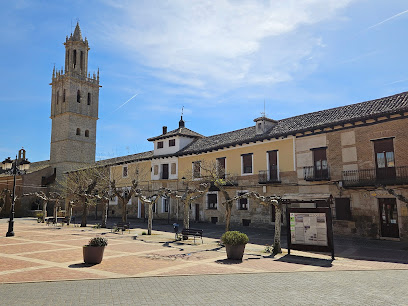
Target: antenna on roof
{"x":182,"y":111}
{"x":263,"y":113}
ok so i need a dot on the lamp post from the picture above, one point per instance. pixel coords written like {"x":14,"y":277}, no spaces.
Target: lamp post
{"x":23,"y":165}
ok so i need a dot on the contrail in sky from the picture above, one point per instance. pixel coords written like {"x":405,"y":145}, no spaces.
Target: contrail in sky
{"x":388,"y":19}
{"x":126,"y":102}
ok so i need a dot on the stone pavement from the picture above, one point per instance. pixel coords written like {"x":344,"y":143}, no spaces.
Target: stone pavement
{"x":53,"y":253}
{"x":305,"y":288}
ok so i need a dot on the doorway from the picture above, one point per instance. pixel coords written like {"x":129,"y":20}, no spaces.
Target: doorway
{"x":197,"y":212}
{"x":389,"y":218}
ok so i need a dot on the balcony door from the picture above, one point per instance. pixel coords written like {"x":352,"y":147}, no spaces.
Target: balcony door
{"x":320,"y":164}
{"x":273,"y":165}
{"x":165,"y":171}
{"x":384,"y":159}
{"x":389,"y":218}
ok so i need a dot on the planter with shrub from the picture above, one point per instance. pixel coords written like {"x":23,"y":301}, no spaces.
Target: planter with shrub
{"x":93,"y":251}
{"x":235,"y":244}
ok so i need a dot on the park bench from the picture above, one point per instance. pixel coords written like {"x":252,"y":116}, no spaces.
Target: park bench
{"x":192,"y":232}
{"x":123,"y":226}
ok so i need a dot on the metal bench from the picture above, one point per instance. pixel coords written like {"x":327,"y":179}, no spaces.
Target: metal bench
{"x":123,"y":226}
{"x":192,"y":232}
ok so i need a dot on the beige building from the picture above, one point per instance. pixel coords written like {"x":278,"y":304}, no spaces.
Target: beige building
{"x":351,"y":158}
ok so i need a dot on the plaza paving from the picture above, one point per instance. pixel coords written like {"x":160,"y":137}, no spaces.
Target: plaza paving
{"x":48,"y":253}
{"x":42,"y":260}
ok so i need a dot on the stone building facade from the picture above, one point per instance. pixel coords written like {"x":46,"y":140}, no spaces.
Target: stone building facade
{"x":352,"y":159}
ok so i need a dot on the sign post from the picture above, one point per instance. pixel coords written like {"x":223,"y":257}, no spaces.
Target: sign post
{"x":310,"y":229}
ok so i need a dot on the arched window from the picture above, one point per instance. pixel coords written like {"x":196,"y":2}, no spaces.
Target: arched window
{"x":81,"y":61}
{"x":78,"y":132}
{"x":63,"y":96}
{"x":79,"y":96}
{"x":87,"y":133}
{"x":89,"y":98}
{"x":57,"y":97}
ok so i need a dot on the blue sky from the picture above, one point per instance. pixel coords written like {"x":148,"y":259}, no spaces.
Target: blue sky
{"x":219,"y":59}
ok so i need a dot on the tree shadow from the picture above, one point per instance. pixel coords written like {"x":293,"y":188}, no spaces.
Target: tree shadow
{"x":311,"y":261}
{"x":81,"y":265}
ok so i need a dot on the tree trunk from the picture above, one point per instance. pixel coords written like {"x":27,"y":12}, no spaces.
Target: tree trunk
{"x":277,"y":243}
{"x":124,"y":212}
{"x":104,"y":214}
{"x":228,"y":209}
{"x":186,"y":221}
{"x":84,"y":213}
{"x":44,"y":211}
{"x":150,"y":219}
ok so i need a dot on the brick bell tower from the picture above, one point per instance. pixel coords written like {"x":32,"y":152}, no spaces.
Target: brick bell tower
{"x":74,"y":108}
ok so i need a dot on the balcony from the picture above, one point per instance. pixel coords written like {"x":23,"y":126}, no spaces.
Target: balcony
{"x":372,"y":177}
{"x":269,"y":176}
{"x":313,"y":174}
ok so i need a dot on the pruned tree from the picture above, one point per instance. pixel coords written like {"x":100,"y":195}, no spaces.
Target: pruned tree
{"x":82,"y":186}
{"x":45,"y":198}
{"x":277,"y":203}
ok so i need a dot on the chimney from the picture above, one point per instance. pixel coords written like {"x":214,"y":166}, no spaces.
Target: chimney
{"x":181,"y":123}
{"x":164,"y":130}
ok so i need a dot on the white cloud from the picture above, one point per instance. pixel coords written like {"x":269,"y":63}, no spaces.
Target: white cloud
{"x":219,"y":44}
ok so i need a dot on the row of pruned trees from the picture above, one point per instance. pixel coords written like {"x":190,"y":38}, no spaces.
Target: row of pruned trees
{"x":85,"y":187}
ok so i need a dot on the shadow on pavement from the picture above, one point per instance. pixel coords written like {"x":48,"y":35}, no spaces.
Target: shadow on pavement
{"x":301,"y":260}
{"x":81,"y":265}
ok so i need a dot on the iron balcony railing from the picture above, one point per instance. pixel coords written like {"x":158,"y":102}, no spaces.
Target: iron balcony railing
{"x":371,"y":177}
{"x":269,"y":176}
{"x":313,"y":174}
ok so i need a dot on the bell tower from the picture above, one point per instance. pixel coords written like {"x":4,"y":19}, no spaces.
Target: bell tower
{"x":74,"y":108}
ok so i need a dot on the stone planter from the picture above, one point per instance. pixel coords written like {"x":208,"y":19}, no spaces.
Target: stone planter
{"x":235,"y":251}
{"x":93,"y":254}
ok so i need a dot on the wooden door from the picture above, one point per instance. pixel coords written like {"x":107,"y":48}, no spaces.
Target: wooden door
{"x":320,"y":164}
{"x":273,"y":165}
{"x":384,"y":159}
{"x":165,"y":171}
{"x":389,"y":218}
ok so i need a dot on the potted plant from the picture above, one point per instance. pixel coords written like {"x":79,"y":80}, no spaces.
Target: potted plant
{"x":93,"y":251}
{"x":235,"y":244}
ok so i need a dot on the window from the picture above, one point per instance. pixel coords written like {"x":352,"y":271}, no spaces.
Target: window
{"x":384,"y":158}
{"x":212,"y":199}
{"x":81,"y":60}
{"x":165,"y":171}
{"x":154,"y":207}
{"x":196,"y":169}
{"x":86,"y":133}
{"x":125,"y":171}
{"x":89,"y":98}
{"x":63,"y":96}
{"x":173,"y":169}
{"x":78,"y":131}
{"x":74,"y":58}
{"x":156,"y":169}
{"x":79,"y":96}
{"x":243,"y":202}
{"x":247,"y":163}
{"x":57,"y":97}
{"x":343,"y":211}
{"x":273,"y":166}
{"x":160,"y":145}
{"x":172,"y":143}
{"x":165,"y":204}
{"x":221,"y":167}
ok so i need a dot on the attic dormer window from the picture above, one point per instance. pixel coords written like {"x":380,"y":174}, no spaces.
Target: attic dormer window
{"x":172,"y":143}
{"x":160,"y":145}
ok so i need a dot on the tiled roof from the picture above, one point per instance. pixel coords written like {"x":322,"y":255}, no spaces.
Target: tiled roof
{"x":374,"y":108}
{"x":181,"y":131}
{"x":125,"y":159}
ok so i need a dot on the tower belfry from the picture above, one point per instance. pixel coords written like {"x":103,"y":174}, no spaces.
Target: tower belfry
{"x":74,"y":108}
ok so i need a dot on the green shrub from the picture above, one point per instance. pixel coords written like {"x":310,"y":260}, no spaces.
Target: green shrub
{"x":234,"y":238}
{"x":98,"y":241}
{"x":144,"y":233}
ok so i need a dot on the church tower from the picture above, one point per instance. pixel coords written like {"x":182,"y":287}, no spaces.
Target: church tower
{"x":74,"y":108}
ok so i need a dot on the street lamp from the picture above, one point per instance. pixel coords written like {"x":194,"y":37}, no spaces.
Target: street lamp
{"x":23,"y":165}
